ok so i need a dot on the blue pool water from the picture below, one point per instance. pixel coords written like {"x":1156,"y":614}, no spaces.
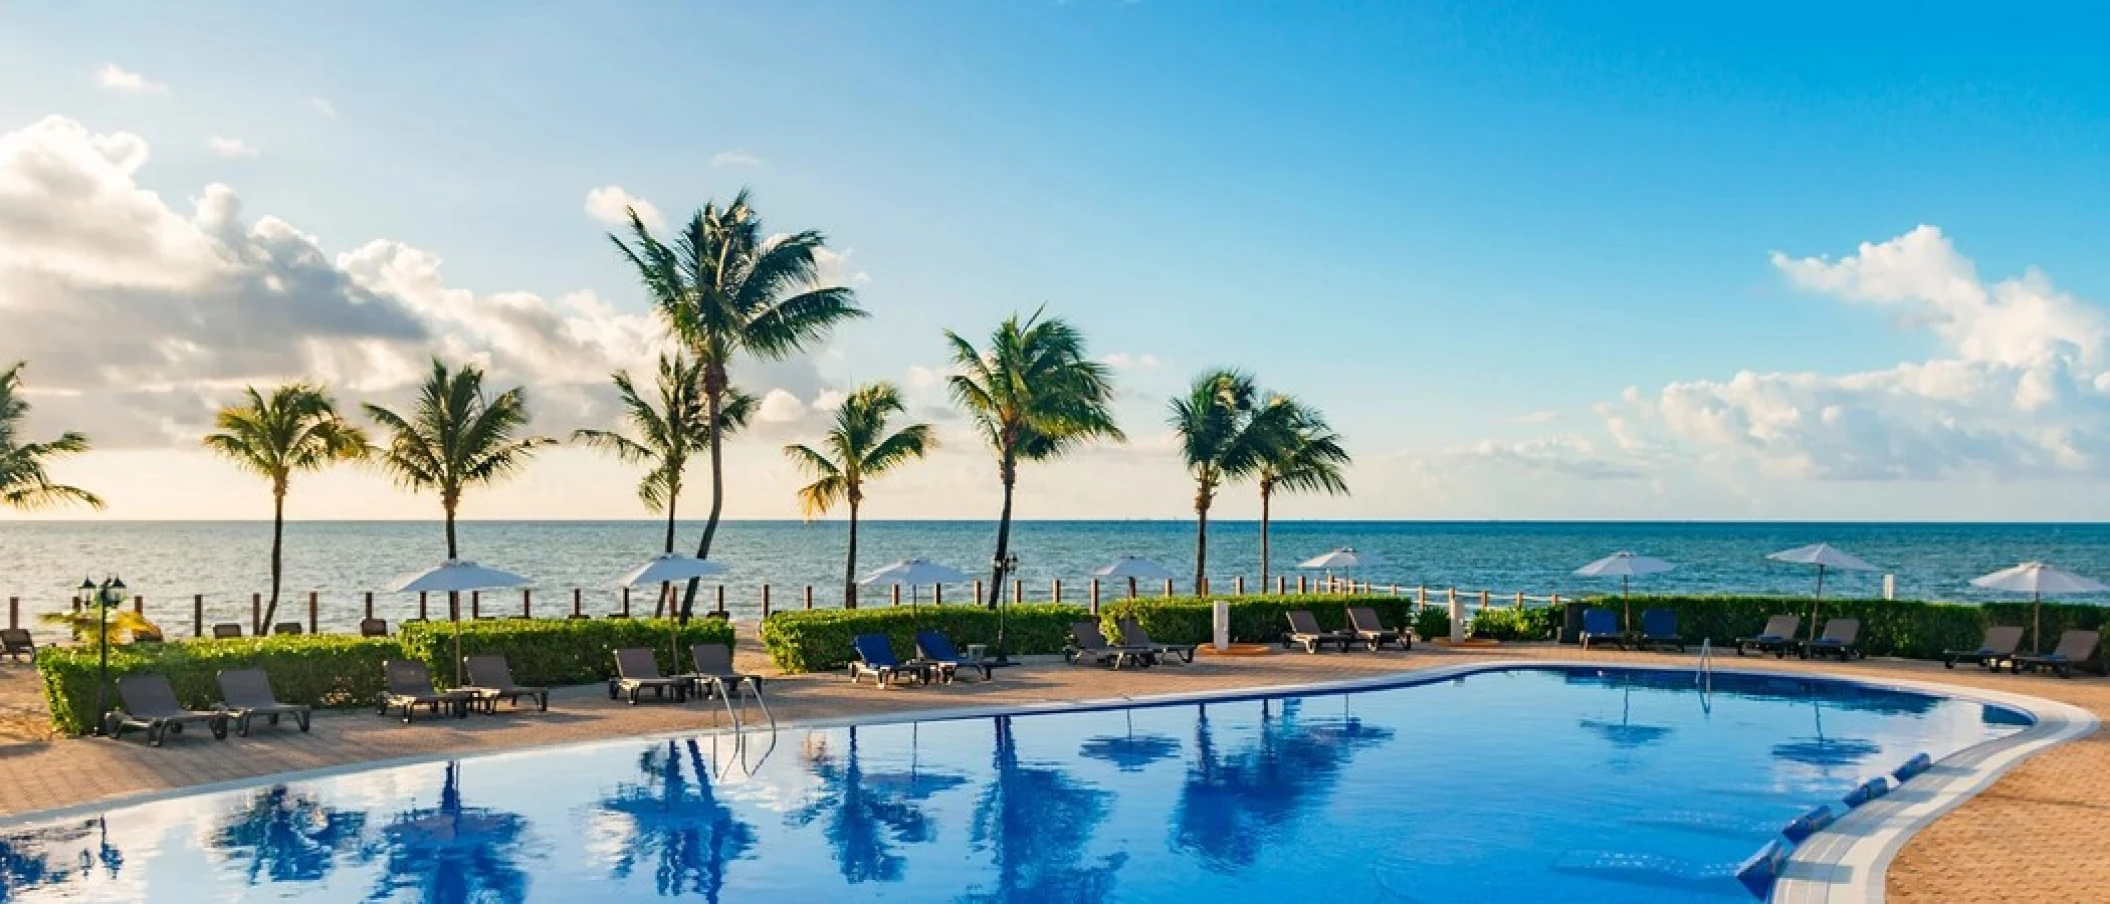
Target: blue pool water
{"x":1530,"y":784}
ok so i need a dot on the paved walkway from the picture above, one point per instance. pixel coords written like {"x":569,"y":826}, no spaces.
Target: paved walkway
{"x":2035,"y":835}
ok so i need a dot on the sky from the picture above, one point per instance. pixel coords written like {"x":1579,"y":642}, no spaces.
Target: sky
{"x":1535,"y":261}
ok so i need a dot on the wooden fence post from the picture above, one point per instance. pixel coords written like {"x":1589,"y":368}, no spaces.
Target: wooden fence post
{"x":527,"y":603}
{"x":369,"y":604}
{"x":1238,"y":585}
{"x":937,"y":594}
{"x":1018,"y":591}
{"x":577,"y":602}
{"x":139,"y":606}
{"x":1281,"y":585}
{"x":1520,"y":600}
{"x":423,"y":614}
{"x":721,"y":597}
{"x":197,"y":615}
{"x":765,"y":601}
{"x":256,"y":614}
{"x":1483,"y":601}
{"x":626,"y":602}
{"x":1168,"y":586}
{"x":895,"y":594}
{"x":476,"y":604}
{"x":809,"y":596}
{"x":1058,"y":590}
{"x":14,"y":612}
{"x":1095,"y":596}
{"x":314,"y":612}
{"x":1303,"y":584}
{"x":1421,"y":597}
{"x":977,"y":590}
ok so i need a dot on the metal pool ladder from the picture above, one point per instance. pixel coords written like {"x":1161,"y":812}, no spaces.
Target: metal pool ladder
{"x":1703,"y":674}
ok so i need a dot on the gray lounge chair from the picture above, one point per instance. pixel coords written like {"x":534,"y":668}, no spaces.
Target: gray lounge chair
{"x":246,"y":694}
{"x":1841,"y":638}
{"x":1778,"y":638}
{"x":491,"y":678}
{"x":715,"y":673}
{"x":226,"y":631}
{"x":636,"y":670}
{"x":875,"y":657}
{"x":410,"y":686}
{"x":150,"y":703}
{"x":288,"y":627}
{"x":1368,"y":628}
{"x":2075,"y":648}
{"x":1998,"y":646}
{"x":1133,"y":635}
{"x":373,"y":627}
{"x":16,"y":643}
{"x":1091,"y":645}
{"x":1304,"y":629}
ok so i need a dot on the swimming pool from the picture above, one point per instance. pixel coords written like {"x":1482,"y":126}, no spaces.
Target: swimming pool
{"x":1524,"y":783}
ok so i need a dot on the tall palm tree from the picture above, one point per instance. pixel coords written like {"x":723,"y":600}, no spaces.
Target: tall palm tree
{"x":24,"y":482}
{"x":1224,"y":434}
{"x":456,"y":437}
{"x":296,"y":428}
{"x":726,"y":287}
{"x":670,"y":431}
{"x":857,"y":448}
{"x":1306,"y":458}
{"x":1036,"y":396}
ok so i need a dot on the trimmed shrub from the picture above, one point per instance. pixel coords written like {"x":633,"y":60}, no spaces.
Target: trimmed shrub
{"x":1254,"y":619}
{"x":814,"y":640}
{"x":1511,"y":623}
{"x":328,"y":671}
{"x":1432,"y":623}
{"x":555,"y":652}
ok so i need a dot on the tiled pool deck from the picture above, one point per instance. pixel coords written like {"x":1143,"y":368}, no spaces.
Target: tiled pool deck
{"x":2034,"y":835}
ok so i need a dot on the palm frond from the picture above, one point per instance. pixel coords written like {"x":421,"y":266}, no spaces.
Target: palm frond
{"x":25,"y":477}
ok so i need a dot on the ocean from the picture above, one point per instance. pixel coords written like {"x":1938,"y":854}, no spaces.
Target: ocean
{"x":169,"y":562}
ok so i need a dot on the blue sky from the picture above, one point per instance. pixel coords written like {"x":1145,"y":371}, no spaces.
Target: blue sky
{"x":1433,"y":219}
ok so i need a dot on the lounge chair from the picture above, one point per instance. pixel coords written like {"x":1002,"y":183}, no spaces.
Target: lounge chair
{"x":636,"y":670}
{"x":287,"y":627}
{"x":246,"y":694}
{"x":875,"y":657}
{"x":1368,"y":628}
{"x":491,"y":678}
{"x":147,"y":635}
{"x":1659,"y":631}
{"x":1601,"y":626}
{"x":410,"y":686}
{"x":934,"y":648}
{"x":16,"y":643}
{"x":1133,"y":635}
{"x":1091,"y":644}
{"x":226,"y":630}
{"x":714,"y":671}
{"x":1841,"y":638}
{"x":1999,"y":646}
{"x":1778,"y":638}
{"x":1304,"y":628}
{"x":150,"y":703}
{"x":373,"y":627}
{"x":2075,"y":648}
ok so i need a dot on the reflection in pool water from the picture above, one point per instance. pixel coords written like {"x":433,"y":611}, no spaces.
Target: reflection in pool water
{"x":1527,"y":784}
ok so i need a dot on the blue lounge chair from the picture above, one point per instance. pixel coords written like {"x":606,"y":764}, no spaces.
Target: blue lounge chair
{"x":2075,"y":648}
{"x":1601,"y":626}
{"x":1659,"y":630}
{"x":1778,"y":638}
{"x":934,"y":648}
{"x":875,"y":657}
{"x":1841,"y":638}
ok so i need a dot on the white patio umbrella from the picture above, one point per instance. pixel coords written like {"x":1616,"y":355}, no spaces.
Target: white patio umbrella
{"x":664,"y":569}
{"x":1134,"y":568}
{"x":1625,"y":566}
{"x":2037,"y":579}
{"x":914,"y":573}
{"x":1822,"y":555}
{"x":453,"y":577}
{"x":1341,"y":559}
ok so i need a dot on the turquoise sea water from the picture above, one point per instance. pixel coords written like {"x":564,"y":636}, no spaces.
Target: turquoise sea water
{"x":168,"y":562}
{"x":1532,"y":784}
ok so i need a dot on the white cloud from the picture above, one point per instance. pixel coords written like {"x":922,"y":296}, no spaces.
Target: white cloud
{"x":186,"y":307}
{"x":779,"y":406}
{"x":1128,"y":361}
{"x":2018,"y":388}
{"x":230,"y":147}
{"x":115,"y":78}
{"x":833,"y":268}
{"x":612,"y":205}
{"x":734,"y":158}
{"x":1570,"y":455}
{"x":321,"y":106}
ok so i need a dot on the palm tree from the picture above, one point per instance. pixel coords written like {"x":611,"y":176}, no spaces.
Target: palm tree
{"x":24,"y":482}
{"x":1036,"y":396}
{"x":1307,"y":457}
{"x":726,"y":287}
{"x":670,"y":431}
{"x":858,"y":448}
{"x":296,"y":428}
{"x":456,"y":437}
{"x":1224,"y":436}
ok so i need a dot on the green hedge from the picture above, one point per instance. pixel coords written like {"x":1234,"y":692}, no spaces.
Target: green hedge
{"x":1254,"y":619}
{"x":1906,"y":628}
{"x":814,"y":640}
{"x":320,"y":670}
{"x":338,"y":671}
{"x":556,"y":652}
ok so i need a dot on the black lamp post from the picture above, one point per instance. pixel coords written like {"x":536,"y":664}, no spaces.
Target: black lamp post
{"x":1006,"y":564}
{"x":109,"y":595}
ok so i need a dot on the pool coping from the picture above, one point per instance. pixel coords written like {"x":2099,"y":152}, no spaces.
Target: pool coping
{"x":1845,"y":864}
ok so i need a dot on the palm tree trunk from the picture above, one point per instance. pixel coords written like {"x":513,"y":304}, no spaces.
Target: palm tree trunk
{"x":1201,"y":540}
{"x":713,"y":398}
{"x":454,"y":597}
{"x":1266,"y":497}
{"x":1009,"y":472}
{"x":278,"y":533}
{"x":850,"y":568}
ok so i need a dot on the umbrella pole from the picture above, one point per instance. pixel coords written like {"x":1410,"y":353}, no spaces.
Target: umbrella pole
{"x":1626,"y":596}
{"x":454,"y":614}
{"x":2036,"y":623}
